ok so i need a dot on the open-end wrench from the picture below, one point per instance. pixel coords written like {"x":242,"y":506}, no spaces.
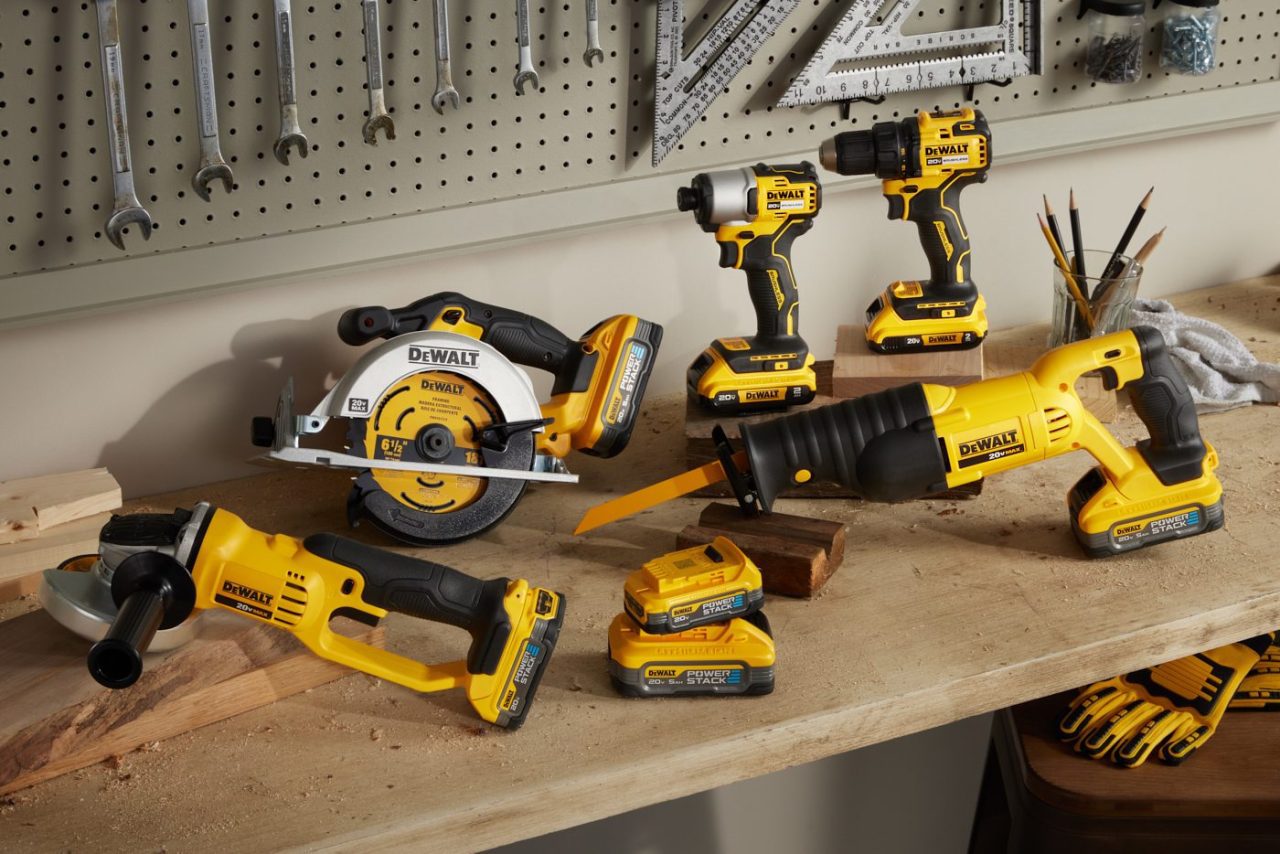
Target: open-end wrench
{"x":290,"y":131}
{"x":212,"y":166}
{"x":378,"y":117}
{"x":445,"y":93}
{"x":525,"y":74}
{"x":593,"y":50}
{"x":127,"y":210}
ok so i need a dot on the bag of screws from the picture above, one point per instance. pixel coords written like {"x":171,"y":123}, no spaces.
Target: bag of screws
{"x":1189,"y":37}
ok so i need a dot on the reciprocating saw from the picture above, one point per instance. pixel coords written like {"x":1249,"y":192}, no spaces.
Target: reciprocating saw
{"x":169,"y":566}
{"x":925,"y":162}
{"x":919,"y":439}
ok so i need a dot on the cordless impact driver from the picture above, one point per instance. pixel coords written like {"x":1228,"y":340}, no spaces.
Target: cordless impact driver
{"x":924,"y":161}
{"x":756,"y":213}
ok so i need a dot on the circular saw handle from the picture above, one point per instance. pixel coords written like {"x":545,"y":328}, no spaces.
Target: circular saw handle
{"x":429,"y":591}
{"x":520,"y":337}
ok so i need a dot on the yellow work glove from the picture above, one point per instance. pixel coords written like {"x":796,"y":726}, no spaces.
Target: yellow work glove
{"x":1172,"y":708}
{"x":1261,"y":688}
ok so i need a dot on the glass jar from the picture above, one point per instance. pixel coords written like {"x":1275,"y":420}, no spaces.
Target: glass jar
{"x":1116,"y":29}
{"x":1189,"y":36}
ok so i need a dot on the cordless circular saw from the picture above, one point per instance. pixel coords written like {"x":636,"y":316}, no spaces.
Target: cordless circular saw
{"x":445,"y":432}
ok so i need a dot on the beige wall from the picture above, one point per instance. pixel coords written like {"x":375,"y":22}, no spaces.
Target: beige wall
{"x":163,"y":394}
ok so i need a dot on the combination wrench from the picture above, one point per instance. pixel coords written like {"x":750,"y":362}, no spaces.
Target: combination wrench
{"x":445,"y":93}
{"x":593,"y":50}
{"x":378,"y":117}
{"x":212,"y":166}
{"x":127,"y":210}
{"x":290,"y":132}
{"x":525,"y":72}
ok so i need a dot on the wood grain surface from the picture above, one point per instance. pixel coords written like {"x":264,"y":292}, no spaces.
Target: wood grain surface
{"x":942,"y":610}
{"x":58,"y":719}
{"x":32,"y":506}
{"x":22,"y":562}
{"x":859,"y":370}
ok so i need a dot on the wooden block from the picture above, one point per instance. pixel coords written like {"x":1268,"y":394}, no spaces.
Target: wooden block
{"x":1004,"y":358}
{"x":858,"y":370}
{"x":796,"y":555}
{"x":58,"y":719}
{"x":828,"y":536}
{"x":32,"y":505}
{"x":21,"y":563}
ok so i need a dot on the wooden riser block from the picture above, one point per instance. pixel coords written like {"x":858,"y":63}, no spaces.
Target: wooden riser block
{"x":858,"y":370}
{"x":58,"y":719}
{"x":795,"y":555}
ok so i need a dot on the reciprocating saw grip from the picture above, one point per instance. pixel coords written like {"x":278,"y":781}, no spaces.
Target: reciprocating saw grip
{"x":919,"y":439}
{"x":173,"y":565}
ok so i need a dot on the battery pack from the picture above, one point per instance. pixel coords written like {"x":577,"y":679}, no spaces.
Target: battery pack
{"x":693,"y":587}
{"x":734,"y":657}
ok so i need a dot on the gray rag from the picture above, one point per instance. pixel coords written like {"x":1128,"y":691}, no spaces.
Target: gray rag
{"x":1217,"y":366}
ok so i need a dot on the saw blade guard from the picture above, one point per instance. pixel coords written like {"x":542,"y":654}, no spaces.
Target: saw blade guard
{"x":394,"y":360}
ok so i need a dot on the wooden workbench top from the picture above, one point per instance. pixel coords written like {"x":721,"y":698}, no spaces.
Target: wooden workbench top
{"x":942,"y":610}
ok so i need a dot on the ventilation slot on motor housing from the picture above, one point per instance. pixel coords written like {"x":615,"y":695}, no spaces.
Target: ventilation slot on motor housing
{"x":1058,"y":423}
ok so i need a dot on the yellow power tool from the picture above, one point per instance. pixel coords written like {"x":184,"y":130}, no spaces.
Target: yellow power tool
{"x":165,"y":567}
{"x":445,"y":432}
{"x":919,"y":439}
{"x":924,"y":161}
{"x":756,"y":213}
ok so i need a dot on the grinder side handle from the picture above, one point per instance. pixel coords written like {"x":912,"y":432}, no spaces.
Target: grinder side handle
{"x":429,"y":591}
{"x":1162,"y":400}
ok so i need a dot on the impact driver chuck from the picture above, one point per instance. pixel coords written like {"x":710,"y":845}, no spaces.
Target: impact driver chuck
{"x":755,"y":213}
{"x":924,"y":161}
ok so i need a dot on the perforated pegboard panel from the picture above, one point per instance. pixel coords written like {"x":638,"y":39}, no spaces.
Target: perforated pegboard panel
{"x":584,"y":129}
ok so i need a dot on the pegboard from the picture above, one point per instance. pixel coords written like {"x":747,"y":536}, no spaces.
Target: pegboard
{"x":580,"y":145}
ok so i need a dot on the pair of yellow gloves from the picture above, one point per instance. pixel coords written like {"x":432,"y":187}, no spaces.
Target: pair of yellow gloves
{"x":1172,"y":709}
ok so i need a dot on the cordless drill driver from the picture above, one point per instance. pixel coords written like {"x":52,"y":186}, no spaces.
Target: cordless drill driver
{"x":756,"y":213}
{"x":924,"y":161}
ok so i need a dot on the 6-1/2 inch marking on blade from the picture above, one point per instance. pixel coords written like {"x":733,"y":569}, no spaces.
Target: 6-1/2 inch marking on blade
{"x":655,"y":494}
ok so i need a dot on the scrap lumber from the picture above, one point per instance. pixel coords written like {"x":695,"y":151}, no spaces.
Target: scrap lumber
{"x":31,"y":506}
{"x":58,"y":719}
{"x":21,"y":563}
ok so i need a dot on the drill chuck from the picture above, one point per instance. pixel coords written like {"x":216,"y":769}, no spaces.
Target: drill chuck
{"x":881,"y":151}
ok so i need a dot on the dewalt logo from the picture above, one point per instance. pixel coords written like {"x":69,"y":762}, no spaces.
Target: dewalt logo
{"x":767,"y":394}
{"x":940,"y":150}
{"x":662,"y":673}
{"x":247,"y":593}
{"x":778,"y":195}
{"x":989,"y":443}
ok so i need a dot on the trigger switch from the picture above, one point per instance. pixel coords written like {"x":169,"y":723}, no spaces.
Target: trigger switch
{"x":728,"y":254}
{"x":897,"y":207}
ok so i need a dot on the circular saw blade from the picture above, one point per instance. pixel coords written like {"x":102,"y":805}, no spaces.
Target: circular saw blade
{"x":433,"y":416}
